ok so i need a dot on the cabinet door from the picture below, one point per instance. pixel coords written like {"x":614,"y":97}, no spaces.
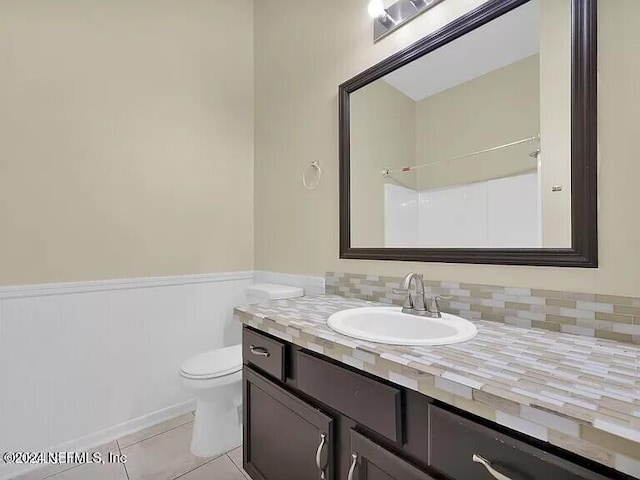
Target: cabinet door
{"x":285,"y":438}
{"x":370,"y":461}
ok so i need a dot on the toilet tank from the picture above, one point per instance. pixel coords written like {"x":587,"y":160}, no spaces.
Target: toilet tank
{"x":262,"y":292}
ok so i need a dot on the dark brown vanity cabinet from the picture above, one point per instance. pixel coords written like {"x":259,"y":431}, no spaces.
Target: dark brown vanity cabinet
{"x":464,"y":449}
{"x":265,"y":353}
{"x":284,"y":437}
{"x":370,"y":461}
{"x":367,"y":401}
{"x":307,"y":417}
{"x":287,"y":438}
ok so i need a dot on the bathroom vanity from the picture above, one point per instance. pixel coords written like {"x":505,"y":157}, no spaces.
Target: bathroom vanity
{"x":317,"y":406}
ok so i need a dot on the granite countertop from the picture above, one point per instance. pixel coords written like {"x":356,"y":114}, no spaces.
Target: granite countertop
{"x":579,"y":393}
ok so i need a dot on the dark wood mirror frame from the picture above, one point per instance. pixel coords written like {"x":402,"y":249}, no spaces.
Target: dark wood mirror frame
{"x":584,"y":181}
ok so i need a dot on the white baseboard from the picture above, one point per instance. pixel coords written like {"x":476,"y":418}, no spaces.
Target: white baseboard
{"x":131,"y":334}
{"x":78,"y":360}
{"x":107,"y":435}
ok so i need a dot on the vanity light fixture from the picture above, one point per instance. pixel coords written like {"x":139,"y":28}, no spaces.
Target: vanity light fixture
{"x":386,"y":20}
{"x":376,"y":8}
{"x":419,"y":3}
{"x":381,"y":14}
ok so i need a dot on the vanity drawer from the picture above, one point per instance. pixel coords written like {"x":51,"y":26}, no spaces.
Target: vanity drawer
{"x":264,"y":352}
{"x":370,"y":403}
{"x":455,"y":440}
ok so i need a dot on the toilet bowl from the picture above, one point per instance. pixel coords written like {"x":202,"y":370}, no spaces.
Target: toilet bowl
{"x":215,"y":380}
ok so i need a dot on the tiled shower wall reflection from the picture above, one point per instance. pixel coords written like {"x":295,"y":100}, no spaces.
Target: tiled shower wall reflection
{"x":593,"y":315}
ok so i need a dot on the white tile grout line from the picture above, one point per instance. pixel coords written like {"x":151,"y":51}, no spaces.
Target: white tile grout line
{"x":156,"y":435}
{"x":117,"y":441}
{"x":81,"y":464}
{"x":126,"y":472}
{"x":59,"y":472}
{"x":200,"y":466}
{"x":239,"y":467}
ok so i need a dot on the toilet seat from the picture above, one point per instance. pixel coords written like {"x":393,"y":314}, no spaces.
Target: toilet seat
{"x":214,"y":379}
{"x":213,"y":364}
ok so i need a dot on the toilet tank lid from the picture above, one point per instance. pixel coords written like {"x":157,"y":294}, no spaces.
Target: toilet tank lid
{"x":273,"y":291}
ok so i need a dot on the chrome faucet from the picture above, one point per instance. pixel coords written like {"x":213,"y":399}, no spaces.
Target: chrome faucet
{"x":418,"y":304}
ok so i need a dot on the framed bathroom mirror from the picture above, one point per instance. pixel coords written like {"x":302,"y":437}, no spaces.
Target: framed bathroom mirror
{"x":477,"y":144}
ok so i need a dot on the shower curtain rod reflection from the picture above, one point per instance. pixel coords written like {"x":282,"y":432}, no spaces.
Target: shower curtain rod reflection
{"x":387,"y":172}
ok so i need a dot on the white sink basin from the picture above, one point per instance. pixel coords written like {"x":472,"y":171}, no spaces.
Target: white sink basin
{"x":389,"y":325}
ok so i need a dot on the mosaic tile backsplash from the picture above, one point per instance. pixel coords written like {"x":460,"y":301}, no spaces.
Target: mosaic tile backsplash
{"x":603,"y":316}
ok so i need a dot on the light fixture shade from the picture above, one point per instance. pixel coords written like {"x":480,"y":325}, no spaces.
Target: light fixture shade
{"x":388,"y":19}
{"x":376,"y":9}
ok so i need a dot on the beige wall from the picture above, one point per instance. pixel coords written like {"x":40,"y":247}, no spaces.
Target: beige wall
{"x":497,"y":108}
{"x":301,"y":57}
{"x":383,"y":136}
{"x":390,"y":130}
{"x":126,"y":138}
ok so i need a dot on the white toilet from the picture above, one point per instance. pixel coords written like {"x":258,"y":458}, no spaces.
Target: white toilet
{"x":215,"y":377}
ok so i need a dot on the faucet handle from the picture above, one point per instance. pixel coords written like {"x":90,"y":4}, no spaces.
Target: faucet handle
{"x":408,"y":301}
{"x":400,"y":290}
{"x":442,"y":297}
{"x":433,"y":306}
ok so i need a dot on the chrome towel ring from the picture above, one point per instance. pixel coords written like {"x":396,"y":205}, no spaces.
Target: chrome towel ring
{"x":314,"y":166}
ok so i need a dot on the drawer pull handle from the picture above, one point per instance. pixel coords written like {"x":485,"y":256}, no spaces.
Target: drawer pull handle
{"x":354,"y":460}
{"x":323,"y":440}
{"x":260,"y":351}
{"x":487,"y":465}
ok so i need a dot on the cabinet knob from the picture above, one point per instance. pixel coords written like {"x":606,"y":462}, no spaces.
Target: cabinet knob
{"x":354,"y":461}
{"x":490,"y":469}
{"x":260,"y":351}
{"x":323,"y":441}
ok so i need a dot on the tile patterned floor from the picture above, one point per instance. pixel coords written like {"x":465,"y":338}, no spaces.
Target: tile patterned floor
{"x":160,"y":452}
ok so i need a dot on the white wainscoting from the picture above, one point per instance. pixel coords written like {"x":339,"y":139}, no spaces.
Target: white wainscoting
{"x":84,"y":363}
